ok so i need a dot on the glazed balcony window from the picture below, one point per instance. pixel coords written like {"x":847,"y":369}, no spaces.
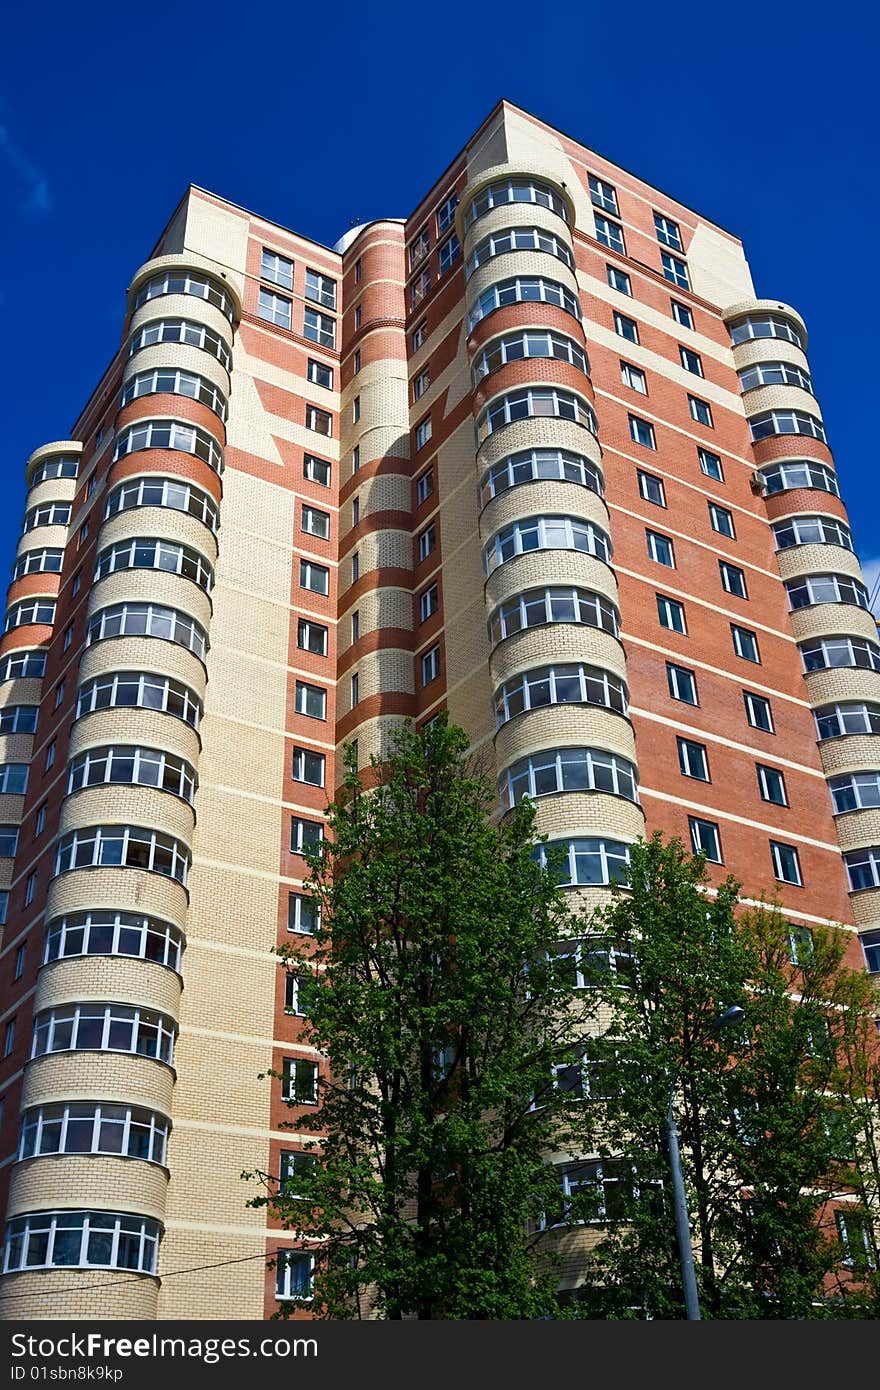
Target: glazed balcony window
{"x":168,"y":380}
{"x":765,"y":326}
{"x":13,"y":779}
{"x":857,"y":791}
{"x":109,"y":933}
{"x":811,"y":530}
{"x":93,"y":1127}
{"x":524,"y":289}
{"x":863,"y":868}
{"x":771,"y":422}
{"x":561,"y":684}
{"x":127,"y":765}
{"x":774,"y":374}
{"x":18,"y":719}
{"x":139,"y":690}
{"x":45,"y":561}
{"x":61,"y":466}
{"x":102,"y":1027}
{"x":827,"y":652}
{"x":568,"y":770}
{"x":516,"y":346}
{"x":47,"y":514}
{"x":826,"y":588}
{"x":782,"y":477}
{"x":187,"y":282}
{"x":536,"y":607}
{"x":164,"y":492}
{"x":123,"y":847}
{"x":26,"y":665}
{"x":589,"y":863}
{"x":170,"y":434}
{"x":547,"y":533}
{"x":82,"y":1240}
{"x":856,"y":717}
{"x":148,"y":620}
{"x":518,"y":239}
{"x":149,"y":554}
{"x":30,"y":610}
{"x":515,"y":190}
{"x":531,"y":402}
{"x":181,"y":331}
{"x":530,"y":465}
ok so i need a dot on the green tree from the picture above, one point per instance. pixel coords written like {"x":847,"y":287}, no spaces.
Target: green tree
{"x":753,"y":1104}
{"x":431,"y":991}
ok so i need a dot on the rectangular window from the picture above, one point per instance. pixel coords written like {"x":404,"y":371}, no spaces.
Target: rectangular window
{"x":854,"y":1231}
{"x":427,"y":541}
{"x":424,"y":486}
{"x":449,"y":253}
{"x":710,"y":464}
{"x":320,"y":289}
{"x":358,"y":270}
{"x":319,"y":374}
{"x":9,"y":1037}
{"x":733,"y":579}
{"x":682,"y":683}
{"x":294,"y":1272}
{"x":40,"y":822}
{"x":68,"y":637}
{"x":675,"y":270}
{"x":321,"y":421}
{"x":292,"y":1001}
{"x":603,"y":195}
{"x":421,"y":383}
{"x":429,"y":602}
{"x":316,"y":470}
{"x":305,"y":835}
{"x":50,"y":756}
{"x":303,"y":915}
{"x":800,"y":944}
{"x":4,"y":905}
{"x":356,"y":364}
{"x":671,"y":614}
{"x":618,"y":280}
{"x":319,"y":328}
{"x":692,"y":759}
{"x":19,"y":962}
{"x":420,"y":333}
{"x":423,"y":432}
{"x":446,"y":213}
{"x":275,"y":268}
{"x":682,"y":314}
{"x":300,"y":1081}
{"x":316,"y":523}
{"x":274,"y":308}
{"x":355,"y":689}
{"x":355,"y":567}
{"x":419,"y":248}
{"x":430,"y":665}
{"x":75,"y":587}
{"x":626,"y":328}
{"x":705,"y":838}
{"x":771,"y":784}
{"x":609,"y":233}
{"x":355,"y":510}
{"x":745,"y":643}
{"x":295,"y":1165}
{"x":690,"y":360}
{"x":30,"y":888}
{"x":700,"y":411}
{"x":311,"y":700}
{"x":786,"y":865}
{"x":311,"y":637}
{"x":308,"y":767}
{"x":356,"y":409}
{"x":355,"y":625}
{"x":314,"y":577}
{"x":355,"y":458}
{"x":758,"y":711}
{"x":8,"y":841}
{"x":358,"y":319}
{"x":59,"y":694}
{"x":634,"y":378}
{"x":667,"y":232}
{"x":660,"y":548}
{"x":721,"y":520}
{"x":419,"y":287}
{"x":651,"y":488}
{"x":642,"y":432}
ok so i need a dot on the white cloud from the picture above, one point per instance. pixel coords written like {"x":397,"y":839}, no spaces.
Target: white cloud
{"x":36,"y":186}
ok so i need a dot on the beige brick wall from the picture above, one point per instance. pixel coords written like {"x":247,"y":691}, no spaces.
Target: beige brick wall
{"x":564,"y":726}
{"x":556,"y":642}
{"x":842,"y":683}
{"x":858,"y":829}
{"x":121,"y":979}
{"x":91,"y":1181}
{"x":143,"y":654}
{"x":111,"y":1076}
{"x":78,"y":1295}
{"x":164,"y":523}
{"x":121,"y":805}
{"x":135,"y":890}
{"x":152,"y":586}
{"x":816,"y":559}
{"x":131,"y":725}
{"x":543,"y":499}
{"x":541,"y":567}
{"x":830,"y":619}
{"x":178,"y":355}
{"x":852,"y":753}
{"x":182,"y":306}
{"x":531,"y":433}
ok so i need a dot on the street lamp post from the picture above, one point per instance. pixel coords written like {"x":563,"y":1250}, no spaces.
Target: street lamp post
{"x":730,"y":1017}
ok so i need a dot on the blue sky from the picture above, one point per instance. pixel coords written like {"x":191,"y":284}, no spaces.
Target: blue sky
{"x":762,"y":119}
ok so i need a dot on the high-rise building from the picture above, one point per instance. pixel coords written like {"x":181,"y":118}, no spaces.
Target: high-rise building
{"x":535,"y":455}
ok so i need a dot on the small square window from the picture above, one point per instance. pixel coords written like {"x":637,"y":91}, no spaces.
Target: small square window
{"x":316,"y":523}
{"x":733,"y":579}
{"x":667,"y":232}
{"x":626,"y":328}
{"x":300,"y":1081}
{"x":705,"y":838}
{"x":682,"y":314}
{"x":314,"y":577}
{"x":319,"y":328}
{"x":427,"y":541}
{"x":651,"y":488}
{"x":691,"y":361}
{"x":277,"y":269}
{"x":710,"y":464}
{"x":682,"y":683}
{"x":303,"y":914}
{"x":274,"y":308}
{"x":671,"y":614}
{"x":786,"y":864}
{"x":430,"y":665}
{"x":316,"y":470}
{"x":758,"y":712}
{"x":700,"y":411}
{"x":295,"y":1165}
{"x":421,"y":383}
{"x":618,"y":280}
{"x":634,"y":378}
{"x":660,"y":548}
{"x":308,"y":767}
{"x":320,"y":289}
{"x":771,"y":784}
{"x":423,"y":432}
{"x":321,"y":421}
{"x":311,"y":637}
{"x":745,"y":643}
{"x":722,"y":520}
{"x":609,"y":233}
{"x":311,"y":700}
{"x":642,"y":432}
{"x":692,"y":759}
{"x":429,"y":602}
{"x":319,"y":374}
{"x":424,"y":486}
{"x":675,"y":270}
{"x":603,"y":195}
